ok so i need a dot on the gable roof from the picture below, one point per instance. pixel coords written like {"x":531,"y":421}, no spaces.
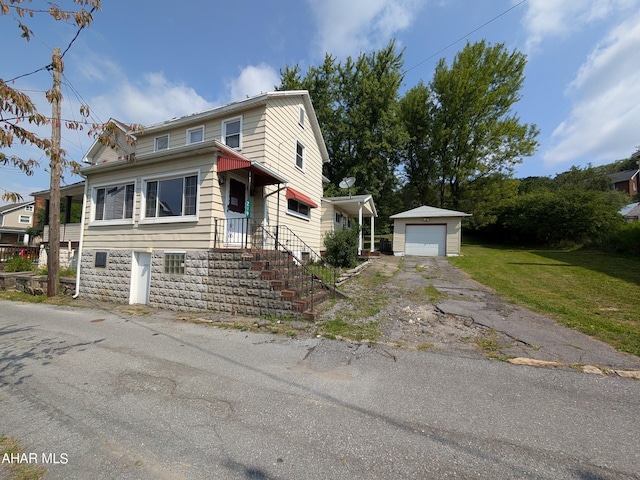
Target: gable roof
{"x":96,"y":145}
{"x":14,"y":206}
{"x":244,"y":104}
{"x":351,"y":204}
{"x":628,"y":209}
{"x":426,"y":211}
{"x":623,"y":176}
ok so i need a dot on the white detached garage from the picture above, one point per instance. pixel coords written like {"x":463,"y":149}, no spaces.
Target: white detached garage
{"x":428,"y":232}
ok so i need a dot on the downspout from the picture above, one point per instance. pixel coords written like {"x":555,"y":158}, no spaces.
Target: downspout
{"x":84,"y":206}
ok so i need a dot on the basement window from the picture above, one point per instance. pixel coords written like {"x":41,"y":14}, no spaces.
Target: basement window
{"x":174,"y":263}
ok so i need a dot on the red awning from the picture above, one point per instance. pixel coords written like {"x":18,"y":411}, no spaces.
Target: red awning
{"x":262,"y":175}
{"x":228,"y":163}
{"x":300,"y":197}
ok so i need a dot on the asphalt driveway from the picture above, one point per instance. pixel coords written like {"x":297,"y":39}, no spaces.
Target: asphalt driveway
{"x":466,"y":310}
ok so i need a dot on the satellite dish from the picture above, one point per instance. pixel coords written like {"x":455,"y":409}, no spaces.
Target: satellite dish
{"x":347,"y":182}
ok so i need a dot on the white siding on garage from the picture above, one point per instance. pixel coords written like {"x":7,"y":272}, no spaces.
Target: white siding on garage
{"x":426,"y":240}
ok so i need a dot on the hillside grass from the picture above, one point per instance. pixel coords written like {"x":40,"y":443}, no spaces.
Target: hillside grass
{"x":592,"y":292}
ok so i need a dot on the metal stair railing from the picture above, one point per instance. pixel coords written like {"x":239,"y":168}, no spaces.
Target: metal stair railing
{"x":281,"y":238}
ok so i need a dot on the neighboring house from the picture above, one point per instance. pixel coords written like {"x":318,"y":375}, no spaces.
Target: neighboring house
{"x":631,"y":212}
{"x":71,"y":197}
{"x":427,"y":231}
{"x":170,"y":223}
{"x":15,"y":218}
{"x":338,"y":212}
{"x":626,"y":181}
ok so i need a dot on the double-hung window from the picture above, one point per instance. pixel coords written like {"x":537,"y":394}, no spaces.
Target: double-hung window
{"x":195,"y":135}
{"x":161,"y":143}
{"x":114,"y":202}
{"x":232,"y":133}
{"x":174,"y":197}
{"x":299,"y":155}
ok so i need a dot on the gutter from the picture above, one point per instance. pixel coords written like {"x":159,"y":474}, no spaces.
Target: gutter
{"x":84,"y":206}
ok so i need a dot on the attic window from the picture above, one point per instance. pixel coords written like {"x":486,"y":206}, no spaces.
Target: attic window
{"x":231,"y":133}
{"x":195,"y":135}
{"x":161,"y":143}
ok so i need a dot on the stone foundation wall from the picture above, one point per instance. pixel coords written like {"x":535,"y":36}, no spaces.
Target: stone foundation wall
{"x":235,"y":288}
{"x":180,"y":292}
{"x":215,"y":281}
{"x":111,"y":283}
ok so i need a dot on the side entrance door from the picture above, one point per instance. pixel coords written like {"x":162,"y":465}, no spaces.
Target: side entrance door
{"x":140,"y":278}
{"x":235,"y":213}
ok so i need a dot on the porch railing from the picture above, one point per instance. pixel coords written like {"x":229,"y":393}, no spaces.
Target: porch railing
{"x":9,"y":251}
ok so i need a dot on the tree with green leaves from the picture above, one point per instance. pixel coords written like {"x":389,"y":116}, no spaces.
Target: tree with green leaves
{"x":472,"y":131}
{"x":356,"y":105}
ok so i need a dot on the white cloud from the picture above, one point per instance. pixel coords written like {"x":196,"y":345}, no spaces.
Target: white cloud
{"x":350,"y":27}
{"x":152,"y":99}
{"x":603,"y":124}
{"x":553,"y":18}
{"x":253,"y":80}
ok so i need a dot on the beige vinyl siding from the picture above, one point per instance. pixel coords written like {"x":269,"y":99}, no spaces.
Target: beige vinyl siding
{"x":454,"y":226}
{"x":136,"y":235}
{"x":12,"y":219}
{"x":326,"y":221}
{"x":282,"y":131}
{"x":107,"y":154}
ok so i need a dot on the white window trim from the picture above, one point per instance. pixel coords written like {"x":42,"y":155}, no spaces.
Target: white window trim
{"x":125,"y":221}
{"x":293,"y":213}
{"x":194,"y":129}
{"x":304,"y":156}
{"x":28,"y":217}
{"x":301,"y":114}
{"x":155,"y":142}
{"x":28,"y":208}
{"x":181,"y":219}
{"x":224,"y":130}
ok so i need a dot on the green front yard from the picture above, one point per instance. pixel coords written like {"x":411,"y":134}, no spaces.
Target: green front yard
{"x":591,"y":292}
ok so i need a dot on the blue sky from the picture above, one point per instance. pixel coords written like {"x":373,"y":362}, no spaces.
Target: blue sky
{"x":145,"y":61}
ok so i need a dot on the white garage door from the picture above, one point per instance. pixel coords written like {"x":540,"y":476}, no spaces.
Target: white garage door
{"x":425,"y":240}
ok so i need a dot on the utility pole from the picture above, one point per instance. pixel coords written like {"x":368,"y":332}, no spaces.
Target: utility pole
{"x":53,"y":259}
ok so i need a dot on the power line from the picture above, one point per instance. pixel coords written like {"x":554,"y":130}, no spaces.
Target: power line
{"x":465,"y":36}
{"x":49,"y":66}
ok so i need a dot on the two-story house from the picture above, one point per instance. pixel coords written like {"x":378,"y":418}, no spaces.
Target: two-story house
{"x":15,"y":218}
{"x":163,"y":217}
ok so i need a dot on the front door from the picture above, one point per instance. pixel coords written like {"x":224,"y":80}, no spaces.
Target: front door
{"x":140,"y":278}
{"x":236,"y":213}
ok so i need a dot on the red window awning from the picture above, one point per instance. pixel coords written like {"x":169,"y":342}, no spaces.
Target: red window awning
{"x":227,"y":163}
{"x":300,"y":197}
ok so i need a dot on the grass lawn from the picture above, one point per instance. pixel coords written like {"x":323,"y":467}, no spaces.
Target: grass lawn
{"x":591,"y":292}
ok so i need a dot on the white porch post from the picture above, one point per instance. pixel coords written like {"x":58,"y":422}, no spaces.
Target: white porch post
{"x":373,"y":222}
{"x":361,"y":243}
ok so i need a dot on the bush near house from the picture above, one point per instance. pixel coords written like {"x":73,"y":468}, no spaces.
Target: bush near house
{"x":19,"y":264}
{"x":341,"y":247}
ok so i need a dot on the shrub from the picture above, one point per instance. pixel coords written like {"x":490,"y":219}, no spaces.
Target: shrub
{"x":341,"y":247}
{"x":625,"y":239}
{"x":19,"y":264}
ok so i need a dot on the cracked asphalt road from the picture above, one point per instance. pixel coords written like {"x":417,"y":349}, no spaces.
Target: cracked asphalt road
{"x":147,"y":397}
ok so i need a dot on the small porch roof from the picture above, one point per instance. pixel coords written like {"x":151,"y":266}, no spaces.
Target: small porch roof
{"x":229,"y":160}
{"x":74,"y":190}
{"x":351,"y":205}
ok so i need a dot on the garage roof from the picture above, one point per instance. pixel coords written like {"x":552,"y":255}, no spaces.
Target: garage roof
{"x":426,"y":211}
